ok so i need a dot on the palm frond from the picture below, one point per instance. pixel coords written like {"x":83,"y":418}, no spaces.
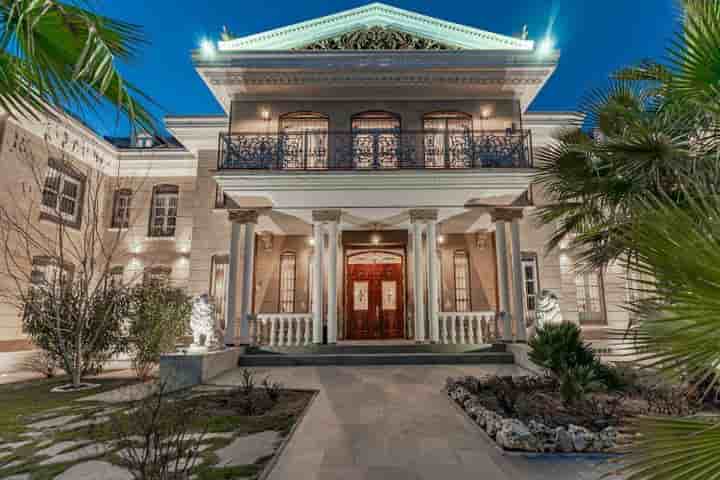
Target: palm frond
{"x":71,"y":55}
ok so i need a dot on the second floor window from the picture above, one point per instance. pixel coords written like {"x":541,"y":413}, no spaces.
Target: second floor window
{"x":62,"y":195}
{"x":461,"y":262}
{"x":376,"y":140}
{"x":304,"y":140}
{"x":121,"y":209}
{"x":164,"y":210}
{"x":448,"y":140}
{"x":287,"y":283}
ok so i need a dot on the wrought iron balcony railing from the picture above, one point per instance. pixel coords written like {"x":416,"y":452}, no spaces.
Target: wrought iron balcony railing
{"x":375,"y":149}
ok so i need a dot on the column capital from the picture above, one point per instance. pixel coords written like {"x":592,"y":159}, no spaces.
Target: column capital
{"x":326,"y":215}
{"x":243,"y":216}
{"x":423,"y":215}
{"x":506,"y":214}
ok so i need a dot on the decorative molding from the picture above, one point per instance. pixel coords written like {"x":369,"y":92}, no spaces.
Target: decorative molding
{"x":326,"y":215}
{"x":423,"y":215}
{"x":506,"y":214}
{"x":377,"y":38}
{"x":243,"y":216}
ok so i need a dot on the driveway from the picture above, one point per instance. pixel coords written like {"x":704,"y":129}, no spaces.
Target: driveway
{"x":395,"y":423}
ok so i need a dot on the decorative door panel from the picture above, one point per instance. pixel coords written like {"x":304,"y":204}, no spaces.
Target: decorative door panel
{"x":375,"y":299}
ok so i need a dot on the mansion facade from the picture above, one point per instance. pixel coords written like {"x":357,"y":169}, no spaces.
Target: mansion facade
{"x":370,"y":180}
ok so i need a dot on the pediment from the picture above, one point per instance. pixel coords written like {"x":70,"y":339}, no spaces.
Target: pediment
{"x":375,"y":27}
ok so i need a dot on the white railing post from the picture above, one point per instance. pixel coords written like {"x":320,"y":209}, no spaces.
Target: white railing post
{"x":471,"y":329}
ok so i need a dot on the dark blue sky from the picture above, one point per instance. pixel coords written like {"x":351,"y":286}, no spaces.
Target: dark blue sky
{"x":595,"y":37}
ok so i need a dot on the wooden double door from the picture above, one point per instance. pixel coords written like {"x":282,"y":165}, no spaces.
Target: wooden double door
{"x":375,"y":298}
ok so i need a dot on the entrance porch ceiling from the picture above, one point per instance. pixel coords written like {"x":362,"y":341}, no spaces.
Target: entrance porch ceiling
{"x":300,"y":221}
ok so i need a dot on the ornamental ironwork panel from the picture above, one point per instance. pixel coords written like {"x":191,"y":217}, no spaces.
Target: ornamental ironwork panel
{"x":375,"y":149}
{"x":377,"y":38}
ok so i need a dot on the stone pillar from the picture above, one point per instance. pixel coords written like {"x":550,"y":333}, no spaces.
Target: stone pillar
{"x":501,"y":216}
{"x":231,"y":307}
{"x":502,"y":275}
{"x":418,"y":218}
{"x":318,"y":283}
{"x":518,"y":287}
{"x":332,"y":218}
{"x":248,"y":219}
{"x":432,"y":264}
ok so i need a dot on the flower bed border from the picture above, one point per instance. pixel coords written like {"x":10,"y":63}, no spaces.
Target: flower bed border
{"x":469,"y":406}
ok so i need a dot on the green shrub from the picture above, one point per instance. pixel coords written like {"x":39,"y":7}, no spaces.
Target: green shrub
{"x":577,"y":381}
{"x":158,"y":316}
{"x":558,"y":347}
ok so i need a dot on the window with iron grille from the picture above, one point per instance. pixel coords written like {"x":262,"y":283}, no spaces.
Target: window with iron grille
{"x":287,"y":282}
{"x":62,"y":195}
{"x":164,"y":210}
{"x":121,"y":209}
{"x":116,"y":276}
{"x":461,"y":262}
{"x":49,"y":272}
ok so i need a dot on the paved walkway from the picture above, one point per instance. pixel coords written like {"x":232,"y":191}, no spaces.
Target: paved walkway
{"x":395,"y":423}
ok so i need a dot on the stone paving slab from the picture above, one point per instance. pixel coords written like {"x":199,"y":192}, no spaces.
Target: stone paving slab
{"x":247,"y":450}
{"x":389,"y":422}
{"x":95,"y":470}
{"x":93,"y":450}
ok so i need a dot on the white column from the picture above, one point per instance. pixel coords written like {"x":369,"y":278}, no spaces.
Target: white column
{"x":318,"y":284}
{"x":231,"y":288}
{"x":432,"y":281}
{"x":502,"y":272}
{"x":332,"y":281}
{"x":419,"y":288}
{"x":247,"y":285}
{"x":518,"y":300}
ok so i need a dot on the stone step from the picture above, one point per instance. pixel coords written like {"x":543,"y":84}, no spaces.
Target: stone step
{"x":375,"y":349}
{"x":317,"y":359}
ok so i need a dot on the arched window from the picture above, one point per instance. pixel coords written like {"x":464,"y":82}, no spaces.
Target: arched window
{"x":287,"y":282}
{"x":461,"y":263}
{"x":376,"y":139}
{"x":448,"y":139}
{"x":163,"y":211}
{"x":304,"y":140}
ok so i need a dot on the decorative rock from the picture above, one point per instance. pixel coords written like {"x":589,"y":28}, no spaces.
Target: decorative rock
{"x":16,"y":445}
{"x":22,"y":476}
{"x":493,"y":422}
{"x":546,"y":436}
{"x":563,"y":440}
{"x":94,"y":470}
{"x":515,"y":435}
{"x":247,"y":450}
{"x":582,"y":438}
{"x":607,"y":439}
{"x":84,"y":423}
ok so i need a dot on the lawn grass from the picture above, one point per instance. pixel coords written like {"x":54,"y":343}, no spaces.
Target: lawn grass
{"x":32,"y":397}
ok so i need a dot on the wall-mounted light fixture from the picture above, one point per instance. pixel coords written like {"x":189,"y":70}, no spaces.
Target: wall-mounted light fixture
{"x":441,"y":239}
{"x":265,"y":114}
{"x":207,"y":47}
{"x":311,"y":241}
{"x":375,"y":239}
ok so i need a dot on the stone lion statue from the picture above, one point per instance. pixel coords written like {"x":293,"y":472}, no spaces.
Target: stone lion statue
{"x":202,"y":322}
{"x":547,"y":310}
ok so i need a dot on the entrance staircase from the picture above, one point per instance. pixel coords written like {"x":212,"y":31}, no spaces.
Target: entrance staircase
{"x":375,"y":354}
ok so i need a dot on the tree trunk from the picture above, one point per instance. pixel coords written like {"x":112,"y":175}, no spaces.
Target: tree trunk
{"x":77,"y":370}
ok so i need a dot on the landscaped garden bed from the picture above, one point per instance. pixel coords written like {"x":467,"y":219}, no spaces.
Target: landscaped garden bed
{"x":580,"y":406}
{"x":209,"y":432}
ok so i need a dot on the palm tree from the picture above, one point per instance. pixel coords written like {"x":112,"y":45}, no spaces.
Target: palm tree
{"x":56,"y":55}
{"x":643,"y":136}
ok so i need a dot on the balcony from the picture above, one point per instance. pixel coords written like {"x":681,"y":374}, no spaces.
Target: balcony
{"x":318,"y":150}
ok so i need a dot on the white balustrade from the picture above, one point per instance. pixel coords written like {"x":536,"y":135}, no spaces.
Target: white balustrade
{"x":467,"y":328}
{"x":282,"y":329}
